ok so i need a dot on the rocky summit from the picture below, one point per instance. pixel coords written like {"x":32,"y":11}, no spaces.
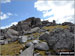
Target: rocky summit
{"x":33,"y":37}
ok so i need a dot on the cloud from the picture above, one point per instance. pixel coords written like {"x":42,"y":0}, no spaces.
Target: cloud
{"x":60,"y":10}
{"x":3,"y":27}
{"x":5,"y":1}
{"x":9,"y":13}
{"x":5,"y":15}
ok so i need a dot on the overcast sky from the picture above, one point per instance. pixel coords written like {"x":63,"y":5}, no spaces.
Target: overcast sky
{"x":13,"y":11}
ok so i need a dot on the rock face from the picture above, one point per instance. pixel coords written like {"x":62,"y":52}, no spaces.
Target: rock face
{"x":42,"y":46}
{"x":61,"y":39}
{"x":33,"y":21}
{"x":28,"y":52}
{"x":27,"y":24}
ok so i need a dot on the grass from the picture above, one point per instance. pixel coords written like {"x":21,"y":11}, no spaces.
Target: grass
{"x":41,"y":52}
{"x":11,"y":49}
{"x":34,"y":34}
{"x":14,"y":48}
{"x":50,"y":28}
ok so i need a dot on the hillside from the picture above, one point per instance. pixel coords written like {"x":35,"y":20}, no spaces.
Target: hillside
{"x":33,"y":37}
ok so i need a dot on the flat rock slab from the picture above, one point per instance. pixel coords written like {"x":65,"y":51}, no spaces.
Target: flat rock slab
{"x":28,"y":52}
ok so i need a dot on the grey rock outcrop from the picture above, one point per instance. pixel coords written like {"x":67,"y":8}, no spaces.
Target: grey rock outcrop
{"x":61,"y":39}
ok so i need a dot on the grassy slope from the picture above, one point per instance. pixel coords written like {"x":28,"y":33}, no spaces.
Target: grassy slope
{"x":15,"y":47}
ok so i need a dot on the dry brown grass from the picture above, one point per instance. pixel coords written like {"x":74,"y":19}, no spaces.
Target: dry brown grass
{"x":50,"y":28}
{"x":11,"y":49}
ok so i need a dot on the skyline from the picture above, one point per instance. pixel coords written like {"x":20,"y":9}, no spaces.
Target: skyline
{"x":14,"y":11}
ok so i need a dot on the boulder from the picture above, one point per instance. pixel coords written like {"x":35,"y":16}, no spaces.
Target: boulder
{"x":60,"y":39}
{"x":36,"y":42}
{"x":6,"y":42}
{"x":11,"y":33}
{"x":31,"y":37}
{"x":42,"y":46}
{"x":33,"y":30}
{"x":1,"y":37}
{"x":44,"y":36}
{"x":23,"y":39}
{"x":1,"y":42}
{"x":28,"y":52}
{"x":33,"y":21}
{"x":28,"y":44}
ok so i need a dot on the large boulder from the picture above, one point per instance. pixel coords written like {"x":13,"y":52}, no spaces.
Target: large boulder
{"x":12,"y":34}
{"x":22,"y":26}
{"x":61,"y":39}
{"x":28,"y":52}
{"x":42,"y":46}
